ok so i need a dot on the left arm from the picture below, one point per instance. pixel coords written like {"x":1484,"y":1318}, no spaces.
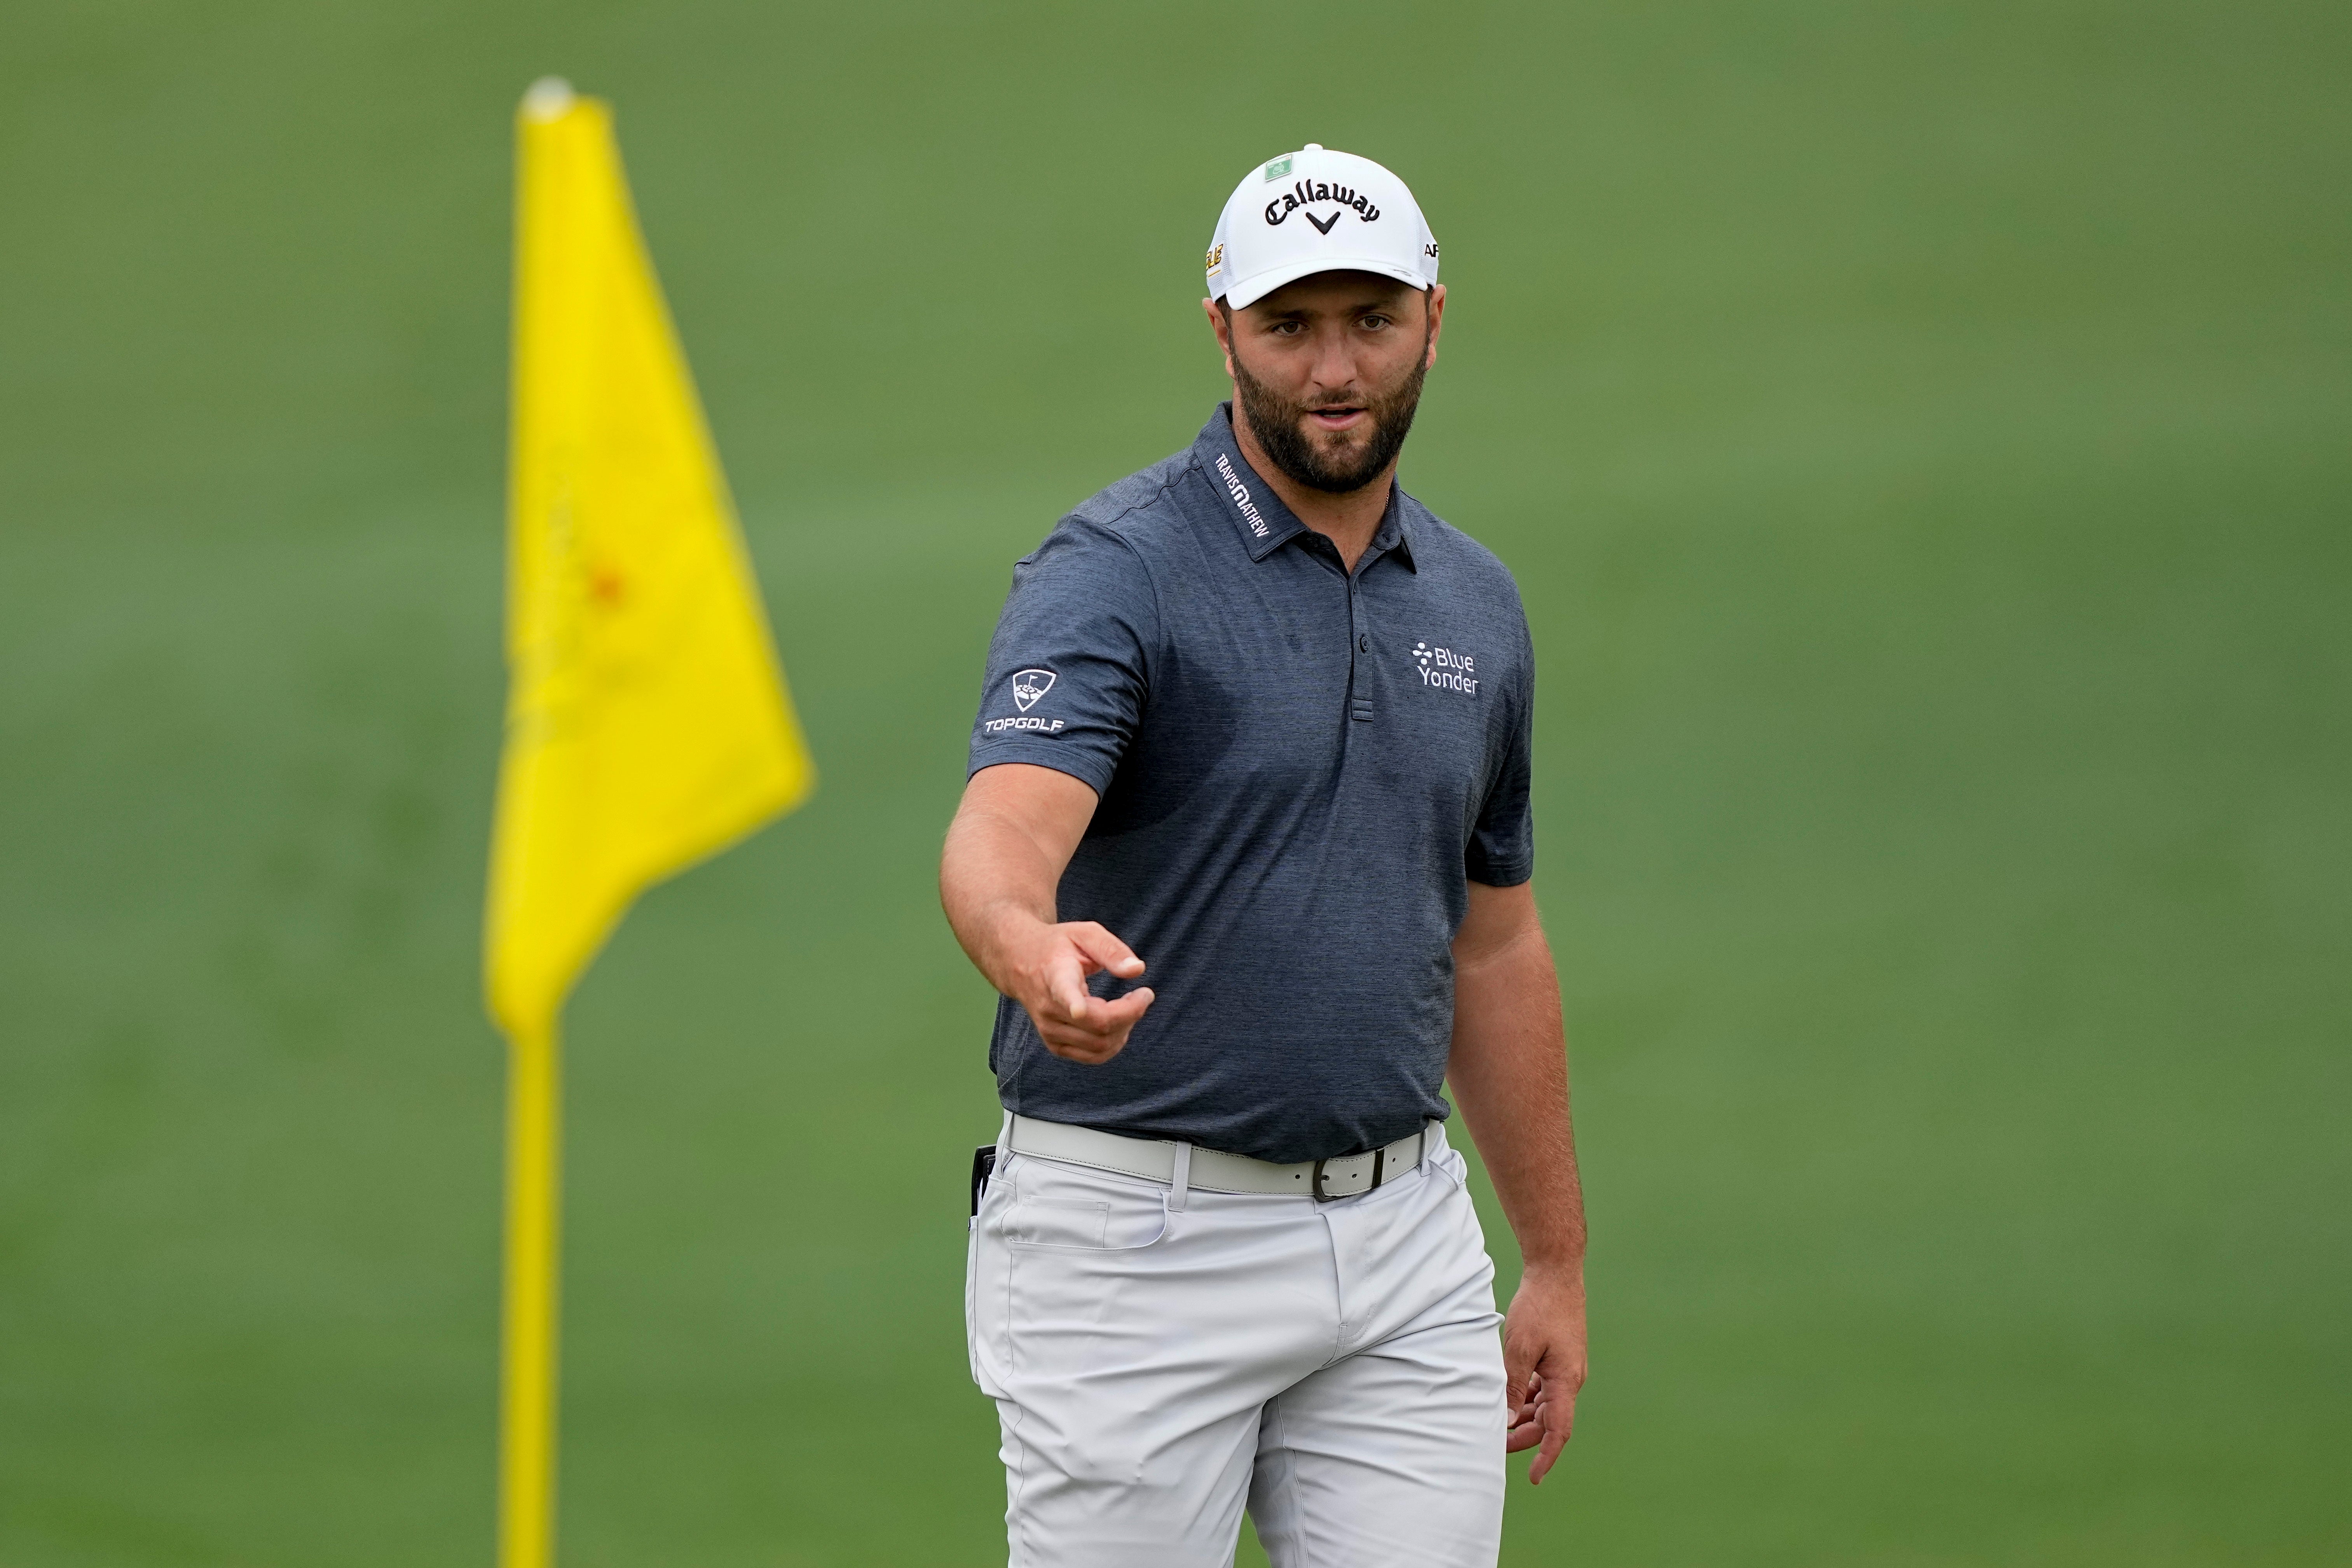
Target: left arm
{"x":1509,"y":1072}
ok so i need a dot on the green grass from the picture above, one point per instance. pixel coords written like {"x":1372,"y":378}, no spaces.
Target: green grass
{"x":1921,"y":436}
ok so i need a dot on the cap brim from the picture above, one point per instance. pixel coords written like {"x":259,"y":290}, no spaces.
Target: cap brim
{"x":1250,"y":291}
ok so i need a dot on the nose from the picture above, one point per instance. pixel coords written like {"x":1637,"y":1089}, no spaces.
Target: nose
{"x":1334,"y":360}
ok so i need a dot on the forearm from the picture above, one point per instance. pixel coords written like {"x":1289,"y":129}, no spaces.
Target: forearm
{"x":999,"y":873}
{"x":997,"y":884}
{"x":1510,"y":1073}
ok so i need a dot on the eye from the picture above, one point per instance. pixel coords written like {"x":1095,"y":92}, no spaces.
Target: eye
{"x":1286,"y":328}
{"x":1375,"y":323}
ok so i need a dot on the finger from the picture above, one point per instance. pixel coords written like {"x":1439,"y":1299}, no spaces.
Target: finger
{"x":1084,"y":1043}
{"x":1525,"y":1436}
{"x":1077,"y":1045}
{"x":1092,"y":1030}
{"x":1066,"y":985}
{"x":1101,"y":1034}
{"x":1104,"y":950}
{"x":1103,"y":1022}
{"x":1559,"y":1417}
{"x":1554,"y":1440}
{"x":1120,"y":1014}
{"x":1519,"y":1403}
{"x":1521,"y":1381}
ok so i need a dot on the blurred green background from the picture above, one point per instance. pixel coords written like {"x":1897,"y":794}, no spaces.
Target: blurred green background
{"x":1923,"y":435}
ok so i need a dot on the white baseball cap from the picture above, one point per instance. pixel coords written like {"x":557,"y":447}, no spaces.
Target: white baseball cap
{"x":1318,"y":211}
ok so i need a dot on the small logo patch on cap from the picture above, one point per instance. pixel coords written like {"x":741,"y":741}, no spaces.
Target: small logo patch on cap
{"x":1278,"y":168}
{"x":1216,"y":259}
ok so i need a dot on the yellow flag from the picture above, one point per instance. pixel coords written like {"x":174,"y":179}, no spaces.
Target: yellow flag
{"x":647,"y":724}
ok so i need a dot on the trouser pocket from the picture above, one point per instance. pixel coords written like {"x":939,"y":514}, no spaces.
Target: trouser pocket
{"x":984,"y":1287}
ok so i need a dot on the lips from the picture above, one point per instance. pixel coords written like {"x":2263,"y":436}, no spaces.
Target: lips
{"x":1334,"y":418}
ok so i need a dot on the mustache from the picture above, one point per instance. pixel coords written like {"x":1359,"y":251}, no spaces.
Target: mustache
{"x":1325,"y":462}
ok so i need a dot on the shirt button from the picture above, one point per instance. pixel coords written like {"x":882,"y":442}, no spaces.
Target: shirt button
{"x":1363,"y":642}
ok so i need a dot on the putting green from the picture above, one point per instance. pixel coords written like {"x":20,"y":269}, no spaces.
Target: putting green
{"x":1921,"y":437}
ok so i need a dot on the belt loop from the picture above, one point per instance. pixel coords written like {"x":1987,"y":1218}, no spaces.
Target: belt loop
{"x":1179,"y":1180}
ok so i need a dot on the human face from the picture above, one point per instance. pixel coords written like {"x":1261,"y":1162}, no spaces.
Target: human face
{"x":1327,"y":371}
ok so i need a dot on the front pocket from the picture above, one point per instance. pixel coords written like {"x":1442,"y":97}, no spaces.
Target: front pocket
{"x":1051,"y":1222}
{"x":1050,"y":1204}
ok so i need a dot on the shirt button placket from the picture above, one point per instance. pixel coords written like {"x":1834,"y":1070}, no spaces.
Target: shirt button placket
{"x":1359,"y":703}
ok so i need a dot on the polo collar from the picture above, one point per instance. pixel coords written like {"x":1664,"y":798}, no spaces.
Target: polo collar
{"x":1259,"y":516}
{"x":1265,"y":524}
{"x":1394,"y":535}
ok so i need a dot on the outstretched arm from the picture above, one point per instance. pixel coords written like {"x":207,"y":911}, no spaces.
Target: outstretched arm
{"x":1011,"y":840}
{"x":1509,"y":1072}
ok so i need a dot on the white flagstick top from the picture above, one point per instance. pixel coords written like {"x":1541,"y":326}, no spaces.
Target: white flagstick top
{"x":549,"y":97}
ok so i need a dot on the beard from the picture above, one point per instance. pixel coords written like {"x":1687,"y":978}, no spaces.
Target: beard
{"x":1333,"y":463}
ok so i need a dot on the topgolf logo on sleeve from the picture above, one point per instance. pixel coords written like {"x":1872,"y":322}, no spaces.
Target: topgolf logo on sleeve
{"x":1029,"y":689}
{"x":1029,"y":685}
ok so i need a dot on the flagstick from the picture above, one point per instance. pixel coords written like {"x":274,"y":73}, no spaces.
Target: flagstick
{"x":526,"y":1426}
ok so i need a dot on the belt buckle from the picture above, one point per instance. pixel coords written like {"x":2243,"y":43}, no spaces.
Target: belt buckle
{"x":1380,"y":1173}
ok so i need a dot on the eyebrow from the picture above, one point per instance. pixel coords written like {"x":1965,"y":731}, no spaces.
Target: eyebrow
{"x":1387,"y":306}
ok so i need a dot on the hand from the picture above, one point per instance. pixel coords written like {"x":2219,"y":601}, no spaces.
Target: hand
{"x":1543,"y":1360}
{"x":1049,"y":981}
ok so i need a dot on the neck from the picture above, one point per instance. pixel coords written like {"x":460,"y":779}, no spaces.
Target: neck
{"x":1348,"y":521}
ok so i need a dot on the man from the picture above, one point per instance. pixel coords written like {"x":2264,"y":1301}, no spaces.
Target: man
{"x":1256,"y":724}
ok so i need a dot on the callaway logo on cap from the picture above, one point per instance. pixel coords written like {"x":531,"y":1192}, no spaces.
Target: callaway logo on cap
{"x":1318,"y":211}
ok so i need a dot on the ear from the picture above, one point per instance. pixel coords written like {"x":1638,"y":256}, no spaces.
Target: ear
{"x":1435,"y":306}
{"x":1220,"y":325}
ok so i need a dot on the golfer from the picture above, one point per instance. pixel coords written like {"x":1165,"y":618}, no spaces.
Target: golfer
{"x":1246,"y":849}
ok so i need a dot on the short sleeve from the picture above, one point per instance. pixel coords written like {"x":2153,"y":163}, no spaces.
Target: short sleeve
{"x":1070,"y":662}
{"x":1502,"y":848}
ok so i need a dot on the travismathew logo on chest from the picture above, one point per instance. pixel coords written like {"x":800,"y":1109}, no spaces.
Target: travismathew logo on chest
{"x":1307,"y":192}
{"x":1442,"y":667}
{"x":1029,"y":687}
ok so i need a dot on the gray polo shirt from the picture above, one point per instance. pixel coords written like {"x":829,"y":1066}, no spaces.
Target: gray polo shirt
{"x":1300,"y":769}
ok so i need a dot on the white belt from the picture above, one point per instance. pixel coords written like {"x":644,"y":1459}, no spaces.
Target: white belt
{"x":1343,"y":1177}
